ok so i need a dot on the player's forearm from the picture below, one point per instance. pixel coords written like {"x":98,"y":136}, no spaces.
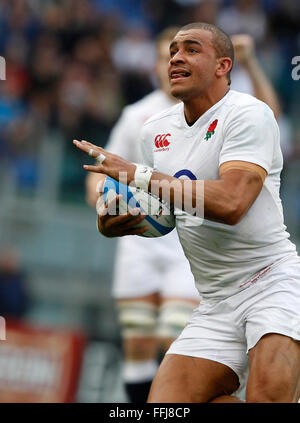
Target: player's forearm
{"x":263,"y":89}
{"x":213,"y":200}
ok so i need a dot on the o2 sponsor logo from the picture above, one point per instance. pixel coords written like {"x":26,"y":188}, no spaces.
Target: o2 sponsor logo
{"x":185,"y":172}
{"x":195,"y":213}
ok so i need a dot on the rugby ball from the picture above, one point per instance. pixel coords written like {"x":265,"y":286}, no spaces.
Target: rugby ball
{"x":160,"y":217}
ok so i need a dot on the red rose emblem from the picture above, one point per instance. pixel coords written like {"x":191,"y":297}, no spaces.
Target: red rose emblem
{"x":212,"y":126}
{"x":211,"y":129}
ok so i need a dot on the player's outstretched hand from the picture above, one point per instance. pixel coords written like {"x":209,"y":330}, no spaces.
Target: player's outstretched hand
{"x":107,"y":163}
{"x":244,"y":49}
{"x":111,"y":224}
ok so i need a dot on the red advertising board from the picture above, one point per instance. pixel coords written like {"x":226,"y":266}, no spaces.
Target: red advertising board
{"x":38,"y":365}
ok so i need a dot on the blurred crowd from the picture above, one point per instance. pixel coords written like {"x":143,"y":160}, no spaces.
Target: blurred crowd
{"x":71,"y":65}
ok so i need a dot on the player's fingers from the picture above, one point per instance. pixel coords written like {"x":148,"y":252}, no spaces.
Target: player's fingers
{"x":93,"y":146}
{"x":112,"y":226}
{"x":90,"y":149}
{"x":97,"y":169}
{"x":126,"y":220}
{"x":90,"y":145}
{"x":87,"y":143}
{"x":131,"y":223}
{"x":83,"y":147}
{"x":137,"y":231}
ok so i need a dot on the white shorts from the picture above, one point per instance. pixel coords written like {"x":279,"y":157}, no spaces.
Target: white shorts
{"x":226,"y":330}
{"x":144,"y":266}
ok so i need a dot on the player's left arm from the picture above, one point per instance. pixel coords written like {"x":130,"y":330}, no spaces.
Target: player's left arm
{"x":226,"y":200}
{"x":244,"y":180}
{"x":244,"y":52}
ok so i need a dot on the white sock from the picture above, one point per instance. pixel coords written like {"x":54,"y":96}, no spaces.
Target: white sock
{"x":139,"y":371}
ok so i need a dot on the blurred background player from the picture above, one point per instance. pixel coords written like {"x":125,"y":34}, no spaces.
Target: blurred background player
{"x":248,"y":76}
{"x":153,"y":285}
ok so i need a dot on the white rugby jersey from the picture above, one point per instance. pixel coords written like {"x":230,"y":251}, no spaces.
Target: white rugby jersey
{"x":125,"y":141}
{"x":238,"y":127}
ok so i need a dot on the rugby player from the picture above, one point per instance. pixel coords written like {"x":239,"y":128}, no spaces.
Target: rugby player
{"x":245,"y":267}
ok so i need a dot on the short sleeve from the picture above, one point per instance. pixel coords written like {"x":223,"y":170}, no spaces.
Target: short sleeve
{"x":250,"y":134}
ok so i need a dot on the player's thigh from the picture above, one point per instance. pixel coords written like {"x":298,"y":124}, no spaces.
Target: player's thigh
{"x":137,"y":318}
{"x":274,"y":370}
{"x":191,"y":379}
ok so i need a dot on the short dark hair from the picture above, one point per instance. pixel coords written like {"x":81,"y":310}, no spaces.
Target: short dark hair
{"x":221,"y":41}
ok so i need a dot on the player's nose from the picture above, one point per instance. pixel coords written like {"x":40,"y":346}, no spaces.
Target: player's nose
{"x":178,"y":57}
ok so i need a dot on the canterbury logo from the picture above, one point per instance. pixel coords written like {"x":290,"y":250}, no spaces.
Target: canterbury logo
{"x":161,"y":140}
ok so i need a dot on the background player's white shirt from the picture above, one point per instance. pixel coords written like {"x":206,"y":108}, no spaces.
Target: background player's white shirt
{"x":133,"y":251}
{"x":224,"y":258}
{"x":240,"y":80}
{"x":124,"y":139}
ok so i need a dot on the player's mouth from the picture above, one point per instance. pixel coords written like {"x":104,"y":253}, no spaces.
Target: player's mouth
{"x":179,"y":74}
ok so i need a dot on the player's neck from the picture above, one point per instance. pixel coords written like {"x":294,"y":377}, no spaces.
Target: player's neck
{"x":197,"y":106}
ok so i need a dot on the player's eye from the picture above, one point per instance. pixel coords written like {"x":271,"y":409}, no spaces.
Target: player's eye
{"x":172,"y":53}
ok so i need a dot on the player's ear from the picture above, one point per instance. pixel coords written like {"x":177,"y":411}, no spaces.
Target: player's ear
{"x":224,"y":65}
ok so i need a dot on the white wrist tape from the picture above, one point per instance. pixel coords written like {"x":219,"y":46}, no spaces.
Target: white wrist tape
{"x":142,"y":176}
